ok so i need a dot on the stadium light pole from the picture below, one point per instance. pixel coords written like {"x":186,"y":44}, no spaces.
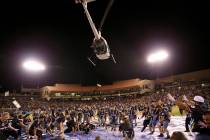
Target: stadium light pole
{"x":33,"y":66}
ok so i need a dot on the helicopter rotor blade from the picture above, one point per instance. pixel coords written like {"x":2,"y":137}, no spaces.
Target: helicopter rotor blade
{"x":105,"y":14}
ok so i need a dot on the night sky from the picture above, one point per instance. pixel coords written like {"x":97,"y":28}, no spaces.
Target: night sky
{"x":58,"y":33}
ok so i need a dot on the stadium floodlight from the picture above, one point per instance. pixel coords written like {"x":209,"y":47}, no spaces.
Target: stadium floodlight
{"x":98,"y":85}
{"x":158,"y":56}
{"x":33,"y":65}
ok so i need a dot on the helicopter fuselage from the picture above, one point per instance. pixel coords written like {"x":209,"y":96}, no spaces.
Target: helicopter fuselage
{"x":99,"y":45}
{"x":101,"y":48}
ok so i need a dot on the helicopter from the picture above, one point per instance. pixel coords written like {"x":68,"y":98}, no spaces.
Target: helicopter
{"x":99,"y":44}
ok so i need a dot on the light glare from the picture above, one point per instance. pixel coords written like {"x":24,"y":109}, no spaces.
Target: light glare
{"x":158,"y":56}
{"x":33,"y":65}
{"x":98,"y":85}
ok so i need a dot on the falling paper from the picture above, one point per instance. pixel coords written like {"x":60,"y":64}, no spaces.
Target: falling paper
{"x":17,"y":105}
{"x":170,"y":97}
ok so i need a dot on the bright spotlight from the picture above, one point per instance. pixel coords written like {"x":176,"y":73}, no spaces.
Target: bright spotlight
{"x":158,"y":56}
{"x":98,"y":85}
{"x":33,"y":65}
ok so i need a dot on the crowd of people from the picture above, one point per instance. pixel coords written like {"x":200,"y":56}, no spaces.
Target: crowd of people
{"x":57,"y":117}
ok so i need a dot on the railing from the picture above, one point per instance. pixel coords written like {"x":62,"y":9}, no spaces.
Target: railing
{"x":19,"y":95}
